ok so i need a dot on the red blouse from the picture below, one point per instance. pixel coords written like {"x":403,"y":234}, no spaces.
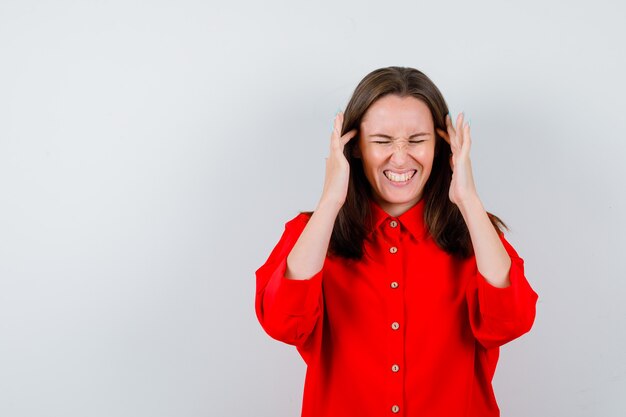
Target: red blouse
{"x":408,"y":330}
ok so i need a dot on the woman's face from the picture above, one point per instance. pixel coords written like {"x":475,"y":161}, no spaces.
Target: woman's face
{"x":397,"y":147}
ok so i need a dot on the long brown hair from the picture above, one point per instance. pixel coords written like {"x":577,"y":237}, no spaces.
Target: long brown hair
{"x":442,"y":217}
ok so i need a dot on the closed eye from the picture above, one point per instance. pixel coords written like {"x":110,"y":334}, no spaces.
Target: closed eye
{"x":388,"y":141}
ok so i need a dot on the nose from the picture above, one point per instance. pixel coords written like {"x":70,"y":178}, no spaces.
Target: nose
{"x":399,"y":152}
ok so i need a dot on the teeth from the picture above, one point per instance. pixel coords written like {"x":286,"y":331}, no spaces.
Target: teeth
{"x":399,"y":177}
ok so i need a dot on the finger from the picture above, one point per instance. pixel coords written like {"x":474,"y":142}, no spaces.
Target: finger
{"x":459,"y":121}
{"x":453,"y":134}
{"x":345,"y":138}
{"x":336,"y":125}
{"x":466,"y":139}
{"x":449,"y":125}
{"x":349,"y":135}
{"x":459,"y":129}
{"x":335,"y":137}
{"x":444,"y":135}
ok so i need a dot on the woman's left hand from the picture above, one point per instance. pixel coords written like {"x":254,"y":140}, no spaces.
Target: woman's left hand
{"x":462,"y":186}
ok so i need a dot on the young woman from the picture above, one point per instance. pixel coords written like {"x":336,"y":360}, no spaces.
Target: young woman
{"x":399,"y":289}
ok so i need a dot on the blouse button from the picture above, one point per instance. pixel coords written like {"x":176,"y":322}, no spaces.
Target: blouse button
{"x":393,"y":223}
{"x":395,"y":368}
{"x":395,"y":408}
{"x":393,"y":249}
{"x":394,"y":284}
{"x":395,"y":325}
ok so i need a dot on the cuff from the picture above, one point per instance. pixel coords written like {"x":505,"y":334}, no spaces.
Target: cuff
{"x":294,"y":297}
{"x":499,"y":302}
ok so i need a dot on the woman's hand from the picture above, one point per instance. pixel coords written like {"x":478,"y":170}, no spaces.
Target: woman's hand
{"x":337,"y":166}
{"x":462,"y":188}
{"x":492,"y":258}
{"x":307,"y":256}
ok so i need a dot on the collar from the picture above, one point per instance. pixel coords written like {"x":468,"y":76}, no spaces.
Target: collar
{"x":412,"y":219}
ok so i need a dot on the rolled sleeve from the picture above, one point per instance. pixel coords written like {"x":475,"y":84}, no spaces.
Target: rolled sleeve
{"x":501,"y":302}
{"x":499,"y":315}
{"x":288,"y":309}
{"x":294,"y":297}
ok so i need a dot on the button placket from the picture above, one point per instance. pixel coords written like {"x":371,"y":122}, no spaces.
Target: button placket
{"x":395,"y":299}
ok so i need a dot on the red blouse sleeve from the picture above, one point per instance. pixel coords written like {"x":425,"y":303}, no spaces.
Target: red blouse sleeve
{"x":499,"y":315}
{"x":288,"y":309}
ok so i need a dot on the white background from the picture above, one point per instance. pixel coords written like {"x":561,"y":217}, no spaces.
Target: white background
{"x":152,"y":151}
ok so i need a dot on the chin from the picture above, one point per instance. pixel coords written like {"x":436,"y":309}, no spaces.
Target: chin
{"x":399,"y":199}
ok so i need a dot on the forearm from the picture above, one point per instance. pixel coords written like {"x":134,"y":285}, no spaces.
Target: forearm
{"x":492,"y":259}
{"x":308,"y":254}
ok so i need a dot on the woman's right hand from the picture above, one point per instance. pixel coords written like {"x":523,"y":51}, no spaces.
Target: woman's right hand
{"x":308,"y":253}
{"x":337,"y":166}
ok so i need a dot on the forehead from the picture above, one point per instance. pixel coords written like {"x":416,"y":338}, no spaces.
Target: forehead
{"x":394,"y":112}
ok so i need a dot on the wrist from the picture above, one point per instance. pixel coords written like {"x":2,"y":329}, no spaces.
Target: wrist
{"x":470,"y":203}
{"x":328,"y":205}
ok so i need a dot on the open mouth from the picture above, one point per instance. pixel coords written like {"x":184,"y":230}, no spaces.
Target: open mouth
{"x":399,"y":178}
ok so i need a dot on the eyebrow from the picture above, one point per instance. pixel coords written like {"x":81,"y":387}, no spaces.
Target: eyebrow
{"x":410,"y":137}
